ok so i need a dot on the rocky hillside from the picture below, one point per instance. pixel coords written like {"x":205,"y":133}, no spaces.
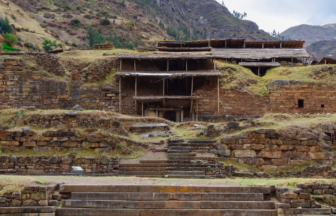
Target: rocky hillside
{"x":321,"y":49}
{"x":310,"y":33}
{"x":145,"y":21}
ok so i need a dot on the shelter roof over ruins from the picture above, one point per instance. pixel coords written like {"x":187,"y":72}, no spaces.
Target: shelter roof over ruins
{"x":161,"y":97}
{"x":172,"y":74}
{"x":259,"y":53}
{"x":259,"y":64}
{"x":160,"y":56}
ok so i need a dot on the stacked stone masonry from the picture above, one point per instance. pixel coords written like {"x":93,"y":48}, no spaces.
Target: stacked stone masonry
{"x":58,"y":165}
{"x":69,"y":139}
{"x":268,"y":148}
{"x":20,"y":88}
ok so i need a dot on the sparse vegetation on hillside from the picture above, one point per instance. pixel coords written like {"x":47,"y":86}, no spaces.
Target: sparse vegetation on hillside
{"x":5,"y":27}
{"x":48,"y":45}
{"x":10,"y":39}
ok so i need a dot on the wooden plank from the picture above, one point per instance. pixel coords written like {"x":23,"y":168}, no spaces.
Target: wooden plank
{"x":120,"y":94}
{"x":218,"y":93}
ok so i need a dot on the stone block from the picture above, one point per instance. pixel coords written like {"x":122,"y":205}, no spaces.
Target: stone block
{"x":302,"y":148}
{"x":279,"y":162}
{"x":224,"y":153}
{"x":317,"y":155}
{"x":43,"y":202}
{"x":290,"y":195}
{"x":244,"y":154}
{"x":314,"y":149}
{"x":305,"y":196}
{"x":29,"y":144}
{"x":302,"y":205}
{"x":10,"y":143}
{"x":309,"y":142}
{"x":287,"y":147}
{"x":29,"y":203}
{"x":271,"y":155}
{"x":257,"y":147}
{"x":70,"y":144}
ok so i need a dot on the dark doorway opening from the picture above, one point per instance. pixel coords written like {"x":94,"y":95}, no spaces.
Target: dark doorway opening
{"x":322,"y":106}
{"x":301,"y":103}
{"x":170,"y":115}
{"x":176,"y":86}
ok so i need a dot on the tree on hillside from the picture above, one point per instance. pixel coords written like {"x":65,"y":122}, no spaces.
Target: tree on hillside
{"x":239,"y":15}
{"x":5,"y":27}
{"x":48,"y":45}
{"x":10,"y":39}
{"x":94,"y":37}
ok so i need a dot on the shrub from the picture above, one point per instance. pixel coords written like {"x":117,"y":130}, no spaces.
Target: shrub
{"x":105,"y":22}
{"x":47,"y":45}
{"x":74,"y":44}
{"x":60,"y":45}
{"x":10,"y":39}
{"x":123,"y":3}
{"x":13,"y":17}
{"x":75,"y":22}
{"x":28,"y":45}
{"x":114,"y":17}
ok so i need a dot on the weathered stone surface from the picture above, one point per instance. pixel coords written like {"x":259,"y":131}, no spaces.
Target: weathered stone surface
{"x":265,"y":154}
{"x":29,"y":203}
{"x":244,"y":154}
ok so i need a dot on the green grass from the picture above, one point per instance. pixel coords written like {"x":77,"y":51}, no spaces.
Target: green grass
{"x":240,"y":166}
{"x":41,"y":181}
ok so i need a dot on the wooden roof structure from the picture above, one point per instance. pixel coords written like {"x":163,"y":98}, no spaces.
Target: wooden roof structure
{"x":274,"y":44}
{"x":260,"y":64}
{"x":327,"y":60}
{"x":170,"y":74}
{"x":161,"y":97}
{"x":184,"y":49}
{"x":200,"y":43}
{"x":227,"y":43}
{"x":258,"y":54}
{"x":144,"y":56}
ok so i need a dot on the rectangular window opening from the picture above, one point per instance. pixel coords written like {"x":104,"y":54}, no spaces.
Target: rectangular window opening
{"x":301,"y":103}
{"x":322,"y":106}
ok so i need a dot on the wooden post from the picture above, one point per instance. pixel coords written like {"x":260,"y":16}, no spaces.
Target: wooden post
{"x":258,"y":71}
{"x":225,"y":43}
{"x":215,"y":64}
{"x":164,"y":86}
{"x":263,"y":46}
{"x":218,"y":94}
{"x":134,"y":65}
{"x":280,"y":45}
{"x":167,"y":64}
{"x":120,"y":95}
{"x":142,"y":110}
{"x":181,"y":115}
{"x":196,"y":110}
{"x":209,"y":43}
{"x":191,"y":108}
{"x":325,"y":61}
{"x":292,"y":62}
{"x":244,"y":44}
{"x":120,"y":64}
{"x":186,"y":64}
{"x":136,"y":93}
{"x":192,"y":85}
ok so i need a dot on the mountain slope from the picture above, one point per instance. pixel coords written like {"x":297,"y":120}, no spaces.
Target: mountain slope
{"x":138,"y":20}
{"x":323,"y":49}
{"x":310,"y":33}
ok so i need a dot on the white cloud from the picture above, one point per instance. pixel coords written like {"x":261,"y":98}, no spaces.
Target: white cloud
{"x":283,"y":14}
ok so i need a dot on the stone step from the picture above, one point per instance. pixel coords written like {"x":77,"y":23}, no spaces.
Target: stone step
{"x":163,"y":212}
{"x":161,"y":189}
{"x":143,"y":196}
{"x":186,"y":172}
{"x":122,"y":204}
{"x":190,"y":145}
{"x":182,"y":155}
{"x":305,"y":211}
{"x":175,"y":164}
{"x":144,"y":169}
{"x":27,"y":210}
{"x":177,"y":151}
{"x":121,"y":172}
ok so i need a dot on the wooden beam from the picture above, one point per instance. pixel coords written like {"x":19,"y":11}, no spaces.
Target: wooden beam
{"x":192,"y":85}
{"x":181,"y":115}
{"x":136,"y":93}
{"x":196,"y":110}
{"x":142,"y":110}
{"x":214,"y":64}
{"x":134,"y":65}
{"x":120,"y":95}
{"x":186,"y":64}
{"x":263,"y":46}
{"x":167,"y":64}
{"x":218,"y":94}
{"x":164,"y":86}
{"x":120,"y":64}
{"x":191,"y":106}
{"x":258,"y":71}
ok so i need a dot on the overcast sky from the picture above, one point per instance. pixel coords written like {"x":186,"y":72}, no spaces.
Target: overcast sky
{"x":283,"y":14}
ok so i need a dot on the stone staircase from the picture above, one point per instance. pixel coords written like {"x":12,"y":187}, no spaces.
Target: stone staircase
{"x":182,"y":162}
{"x":148,"y":200}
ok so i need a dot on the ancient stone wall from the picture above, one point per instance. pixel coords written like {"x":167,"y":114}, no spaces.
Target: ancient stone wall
{"x":284,"y":96}
{"x":272,"y":149}
{"x":232,"y":102}
{"x":57,"y":140}
{"x":58,"y":165}
{"x":50,"y":63}
{"x":20,"y":88}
